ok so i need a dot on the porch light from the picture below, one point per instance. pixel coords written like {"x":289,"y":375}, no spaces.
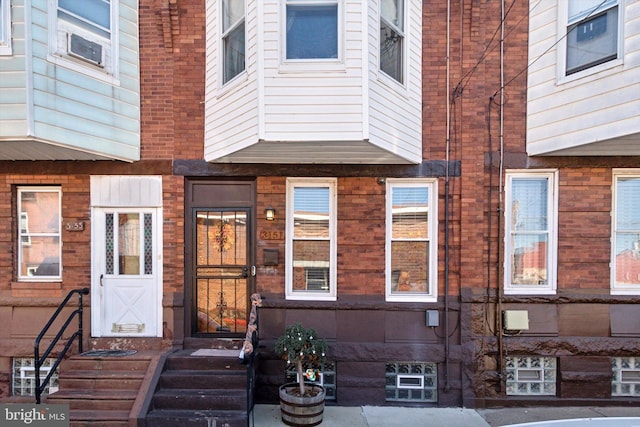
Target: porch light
{"x":270,"y":214}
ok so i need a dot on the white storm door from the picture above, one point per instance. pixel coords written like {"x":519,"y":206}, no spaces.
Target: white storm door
{"x":126,"y":283}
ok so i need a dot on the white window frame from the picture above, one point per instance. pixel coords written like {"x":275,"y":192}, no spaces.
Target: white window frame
{"x":5,"y":33}
{"x":223,"y":34}
{"x":405,"y":40}
{"x":331,"y":293}
{"x":552,"y":232}
{"x":25,"y":235}
{"x":312,"y":64}
{"x":59,"y":32}
{"x":620,"y":289}
{"x":565,"y":22}
{"x":431,"y":293}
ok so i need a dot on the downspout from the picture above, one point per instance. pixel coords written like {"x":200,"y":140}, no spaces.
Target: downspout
{"x":500,"y":274}
{"x":446,"y":213}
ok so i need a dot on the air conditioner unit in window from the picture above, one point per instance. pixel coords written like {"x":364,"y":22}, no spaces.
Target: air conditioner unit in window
{"x":84,"y":49}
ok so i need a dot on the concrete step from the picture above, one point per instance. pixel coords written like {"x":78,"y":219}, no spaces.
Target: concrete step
{"x":198,"y":400}
{"x":185,"y":360}
{"x":100,"y":379}
{"x":202,"y":418}
{"x":90,"y":363}
{"x":94,"y":400}
{"x":197,"y":379}
{"x":94,"y":418}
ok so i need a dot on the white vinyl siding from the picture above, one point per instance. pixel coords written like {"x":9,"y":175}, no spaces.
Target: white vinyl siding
{"x":231,"y":113}
{"x":55,"y":108}
{"x":395,"y":110}
{"x":592,"y":112}
{"x":531,"y":200}
{"x":311,"y":245}
{"x":625,"y":247}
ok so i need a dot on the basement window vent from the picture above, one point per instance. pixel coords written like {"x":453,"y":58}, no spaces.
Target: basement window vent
{"x":527,"y":376}
{"x":412,"y":382}
{"x":24,"y":377}
{"x":325,"y":376}
{"x":626,"y":376}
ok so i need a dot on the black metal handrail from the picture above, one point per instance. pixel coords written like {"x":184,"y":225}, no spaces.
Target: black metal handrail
{"x":39,"y":361}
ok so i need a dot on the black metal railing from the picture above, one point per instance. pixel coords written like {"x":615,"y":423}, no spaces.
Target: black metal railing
{"x":39,"y":360}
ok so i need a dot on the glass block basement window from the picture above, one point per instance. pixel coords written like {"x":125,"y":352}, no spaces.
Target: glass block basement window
{"x":626,"y":376}
{"x":326,"y":377}
{"x":24,"y":377}
{"x":528,"y":376}
{"x":411,"y":382}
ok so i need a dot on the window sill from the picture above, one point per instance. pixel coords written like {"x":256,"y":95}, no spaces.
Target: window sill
{"x":411,"y":298}
{"x":310,"y":297}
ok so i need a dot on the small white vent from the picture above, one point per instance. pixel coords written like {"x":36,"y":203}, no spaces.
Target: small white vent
{"x":81,"y":48}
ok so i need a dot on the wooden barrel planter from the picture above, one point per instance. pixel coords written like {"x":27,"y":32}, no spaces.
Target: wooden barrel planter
{"x":301,"y":411}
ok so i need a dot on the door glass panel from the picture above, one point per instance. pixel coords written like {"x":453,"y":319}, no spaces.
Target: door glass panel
{"x":148,"y":243}
{"x":129,"y":243}
{"x":221,"y":271}
{"x":109,"y":243}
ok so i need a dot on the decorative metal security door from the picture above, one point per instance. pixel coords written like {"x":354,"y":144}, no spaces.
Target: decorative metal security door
{"x":221,"y":271}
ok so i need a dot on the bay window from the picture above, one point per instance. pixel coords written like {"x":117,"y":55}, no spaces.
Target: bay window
{"x":592,"y":34}
{"x":5,"y":27}
{"x":233,"y":38}
{"x":311,"y":29}
{"x":392,"y":38}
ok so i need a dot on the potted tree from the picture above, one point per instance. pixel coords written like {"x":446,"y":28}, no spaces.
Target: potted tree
{"x":301,"y":403}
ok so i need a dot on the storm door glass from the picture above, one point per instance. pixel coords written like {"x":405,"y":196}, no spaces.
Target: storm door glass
{"x":221,"y":271}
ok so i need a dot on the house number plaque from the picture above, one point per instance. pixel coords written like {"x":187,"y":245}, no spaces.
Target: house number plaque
{"x":74,"y":226}
{"x":272,"y":235}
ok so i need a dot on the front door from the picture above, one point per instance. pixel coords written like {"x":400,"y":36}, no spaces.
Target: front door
{"x":221,"y":270}
{"x":127,"y":280}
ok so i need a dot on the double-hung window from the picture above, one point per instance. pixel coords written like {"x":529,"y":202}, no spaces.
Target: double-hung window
{"x":5,"y":27}
{"x":411,"y":240}
{"x":530,"y":232}
{"x":311,"y":239}
{"x":311,"y":29}
{"x":392,"y":38}
{"x":84,"y":34}
{"x":625,"y":263}
{"x":593,"y":34}
{"x":39,"y":233}
{"x":233,"y":38}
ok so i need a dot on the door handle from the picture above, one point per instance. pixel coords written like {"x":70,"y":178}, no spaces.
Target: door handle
{"x":101,"y":276}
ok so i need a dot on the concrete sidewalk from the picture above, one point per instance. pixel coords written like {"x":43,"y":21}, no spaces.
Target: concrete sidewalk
{"x":379,"y":416}
{"x":385,"y":416}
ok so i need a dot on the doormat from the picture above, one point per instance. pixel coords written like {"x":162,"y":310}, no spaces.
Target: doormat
{"x":105,"y":353}
{"x":216,"y":352}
